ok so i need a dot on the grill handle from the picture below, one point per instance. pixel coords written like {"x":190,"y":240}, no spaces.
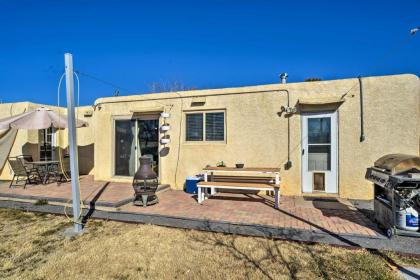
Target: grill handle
{"x":379,"y":169}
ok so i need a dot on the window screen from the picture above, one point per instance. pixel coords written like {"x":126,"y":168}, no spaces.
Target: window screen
{"x":319,"y":144}
{"x":194,"y":127}
{"x":215,"y":126}
{"x":319,"y":130}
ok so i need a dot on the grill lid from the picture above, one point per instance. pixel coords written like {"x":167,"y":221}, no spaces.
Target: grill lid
{"x":398,"y":163}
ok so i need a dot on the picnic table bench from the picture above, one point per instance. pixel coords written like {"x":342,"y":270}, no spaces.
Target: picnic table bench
{"x":269,"y":182}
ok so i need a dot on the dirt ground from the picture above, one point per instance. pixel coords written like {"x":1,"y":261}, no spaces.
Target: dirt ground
{"x":32,"y":246}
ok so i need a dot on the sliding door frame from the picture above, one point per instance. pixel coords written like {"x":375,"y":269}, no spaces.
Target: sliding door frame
{"x":137,"y":145}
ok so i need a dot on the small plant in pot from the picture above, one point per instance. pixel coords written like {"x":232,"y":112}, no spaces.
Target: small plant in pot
{"x":221,"y":164}
{"x":165,"y":127}
{"x":165,"y":140}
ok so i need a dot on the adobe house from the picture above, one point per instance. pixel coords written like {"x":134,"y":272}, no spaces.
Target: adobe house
{"x":323,"y":135}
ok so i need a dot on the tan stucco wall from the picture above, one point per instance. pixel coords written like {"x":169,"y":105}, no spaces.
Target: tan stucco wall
{"x":85,"y":140}
{"x":21,"y":140}
{"x":257,"y":135}
{"x":26,"y":141}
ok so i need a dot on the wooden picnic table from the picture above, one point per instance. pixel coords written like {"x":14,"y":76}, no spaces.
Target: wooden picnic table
{"x":210,"y":170}
{"x":244,"y":169}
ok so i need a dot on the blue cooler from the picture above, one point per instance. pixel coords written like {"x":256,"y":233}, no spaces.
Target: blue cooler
{"x":191,"y":184}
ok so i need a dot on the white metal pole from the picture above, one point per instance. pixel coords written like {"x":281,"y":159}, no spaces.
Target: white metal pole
{"x":74,"y":162}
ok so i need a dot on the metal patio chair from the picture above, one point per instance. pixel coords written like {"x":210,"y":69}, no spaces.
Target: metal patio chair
{"x":23,"y":174}
{"x":27,"y":161}
{"x":26,"y":158}
{"x":60,"y":171}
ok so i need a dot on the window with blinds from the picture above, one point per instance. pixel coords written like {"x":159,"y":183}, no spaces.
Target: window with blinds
{"x":195,"y":127}
{"x":215,"y":126}
{"x":205,"y":126}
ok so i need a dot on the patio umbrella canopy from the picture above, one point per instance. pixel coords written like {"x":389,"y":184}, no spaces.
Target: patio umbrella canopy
{"x":40,"y":118}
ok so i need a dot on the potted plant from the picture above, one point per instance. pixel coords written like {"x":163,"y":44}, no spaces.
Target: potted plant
{"x":165,"y":115}
{"x":165,"y":140}
{"x":165,"y":127}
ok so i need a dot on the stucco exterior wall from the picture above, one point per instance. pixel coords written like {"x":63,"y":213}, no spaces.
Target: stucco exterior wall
{"x":26,"y":141}
{"x":21,"y":140}
{"x":85,"y":140}
{"x":257,"y":136}
{"x":255,"y":133}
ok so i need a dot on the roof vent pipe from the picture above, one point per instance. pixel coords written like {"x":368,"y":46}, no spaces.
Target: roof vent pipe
{"x":283,"y":77}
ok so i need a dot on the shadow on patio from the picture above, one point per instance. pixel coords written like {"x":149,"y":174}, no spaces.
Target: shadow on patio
{"x":93,"y":193}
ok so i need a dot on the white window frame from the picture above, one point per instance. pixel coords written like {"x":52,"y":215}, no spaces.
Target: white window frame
{"x":204,"y":112}
{"x":331,"y":176}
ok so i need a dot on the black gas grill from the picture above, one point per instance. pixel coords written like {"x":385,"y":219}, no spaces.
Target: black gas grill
{"x":396,"y":171}
{"x":396,"y":179}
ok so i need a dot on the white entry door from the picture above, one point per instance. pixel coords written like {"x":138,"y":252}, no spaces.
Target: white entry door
{"x":319,"y":153}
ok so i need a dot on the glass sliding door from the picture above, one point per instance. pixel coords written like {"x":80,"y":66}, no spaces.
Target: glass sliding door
{"x":149,"y":140}
{"x":125,"y":144}
{"x":135,"y":138}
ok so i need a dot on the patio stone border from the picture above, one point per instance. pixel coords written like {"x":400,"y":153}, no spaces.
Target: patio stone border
{"x":65,"y":200}
{"x":92,"y":203}
{"x":405,"y":245}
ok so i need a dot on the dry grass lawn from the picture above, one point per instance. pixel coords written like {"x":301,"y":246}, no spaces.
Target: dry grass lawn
{"x":32,"y":247}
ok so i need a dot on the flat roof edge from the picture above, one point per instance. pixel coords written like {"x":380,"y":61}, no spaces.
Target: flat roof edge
{"x":228,"y":90}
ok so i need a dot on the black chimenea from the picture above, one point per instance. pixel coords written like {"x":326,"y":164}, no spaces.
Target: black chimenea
{"x":145,"y":184}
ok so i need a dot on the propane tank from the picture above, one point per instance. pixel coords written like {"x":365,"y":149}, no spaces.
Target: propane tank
{"x":408,"y":219}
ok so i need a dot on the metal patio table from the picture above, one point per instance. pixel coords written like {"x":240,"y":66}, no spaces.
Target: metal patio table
{"x":45,"y":166}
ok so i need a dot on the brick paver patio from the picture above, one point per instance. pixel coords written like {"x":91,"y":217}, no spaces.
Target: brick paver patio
{"x":99,"y":191}
{"x":294,"y":212}
{"x":337,"y":217}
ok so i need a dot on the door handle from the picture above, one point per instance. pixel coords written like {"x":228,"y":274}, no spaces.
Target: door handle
{"x":303,"y":152}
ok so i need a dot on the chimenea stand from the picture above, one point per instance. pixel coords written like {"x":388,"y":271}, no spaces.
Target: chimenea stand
{"x":145,"y":184}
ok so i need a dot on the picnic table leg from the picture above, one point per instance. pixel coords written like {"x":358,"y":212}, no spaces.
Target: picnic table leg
{"x":206,"y":179}
{"x":212,"y":190}
{"x":199,"y":195}
{"x":276,"y":198}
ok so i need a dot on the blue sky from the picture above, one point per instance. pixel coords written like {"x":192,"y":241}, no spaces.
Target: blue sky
{"x":203,"y":44}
